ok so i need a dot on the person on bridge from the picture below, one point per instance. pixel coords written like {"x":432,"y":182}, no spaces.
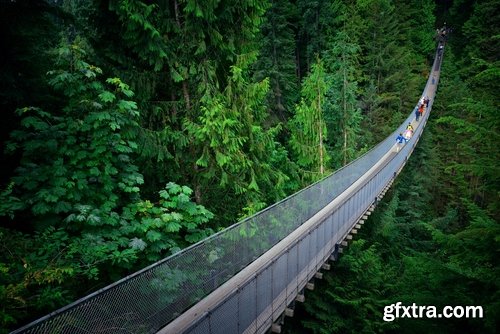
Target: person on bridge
{"x":417,"y":114}
{"x":426,"y":101}
{"x":399,"y":141}
{"x":409,"y":127}
{"x":407,"y":134}
{"x":421,"y":109}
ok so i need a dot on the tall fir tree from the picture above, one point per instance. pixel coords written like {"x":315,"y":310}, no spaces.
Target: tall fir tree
{"x":277,"y":58}
{"x":308,"y":126}
{"x":314,"y":26}
{"x":388,"y":68}
{"x":343,"y":113}
{"x":235,"y":148}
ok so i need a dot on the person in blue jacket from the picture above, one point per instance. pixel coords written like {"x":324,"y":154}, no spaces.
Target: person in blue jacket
{"x":399,"y":141}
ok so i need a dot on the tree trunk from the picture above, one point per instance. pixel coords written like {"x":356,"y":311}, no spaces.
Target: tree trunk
{"x":185,"y":91}
{"x":196,"y":185}
{"x":321,"y":167}
{"x":277,"y":88}
{"x":345,"y":111}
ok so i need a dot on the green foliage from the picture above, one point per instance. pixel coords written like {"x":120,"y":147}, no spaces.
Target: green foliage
{"x":343,"y":114}
{"x":203,"y":41}
{"x":308,"y":125}
{"x":411,"y":257}
{"x":89,"y":216}
{"x":29,"y":267}
{"x":140,"y":32}
{"x":393,"y":74}
{"x":481,"y":32}
{"x":173,"y":224}
{"x":277,"y":58}
{"x":468,"y":125}
{"x":354,"y":294}
{"x":417,"y":27}
{"x":437,"y":233}
{"x":79,"y":186}
{"x":81,"y":154}
{"x":234,"y":147}
{"x":314,"y":30}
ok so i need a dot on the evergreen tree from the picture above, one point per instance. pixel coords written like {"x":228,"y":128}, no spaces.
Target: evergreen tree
{"x":277,"y":57}
{"x":315,"y":26}
{"x":201,"y":41}
{"x":417,"y":27}
{"x":235,"y":149}
{"x":343,"y":114}
{"x":351,"y":298}
{"x":308,"y":125}
{"x":388,"y":68}
{"x":467,"y":114}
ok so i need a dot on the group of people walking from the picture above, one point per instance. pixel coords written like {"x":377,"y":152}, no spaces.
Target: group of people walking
{"x":423,"y":105}
{"x":404,"y":136}
{"x":442,"y":33}
{"x":441,"y":37}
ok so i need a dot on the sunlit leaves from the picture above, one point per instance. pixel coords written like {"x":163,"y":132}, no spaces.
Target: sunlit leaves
{"x":107,"y":96}
{"x":234,"y":147}
{"x":308,"y":124}
{"x":80,"y":144}
{"x":172,"y":224}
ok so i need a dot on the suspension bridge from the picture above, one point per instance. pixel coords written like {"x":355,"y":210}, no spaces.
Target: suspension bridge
{"x":248,"y":277}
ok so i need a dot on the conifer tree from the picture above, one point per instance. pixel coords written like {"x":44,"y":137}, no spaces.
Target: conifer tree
{"x":388,"y":67}
{"x":314,"y":28}
{"x":234,"y":147}
{"x":308,"y":125}
{"x":277,"y":57}
{"x":343,"y":114}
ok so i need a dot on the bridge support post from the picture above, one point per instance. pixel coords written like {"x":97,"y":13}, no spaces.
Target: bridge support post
{"x":335,"y":255}
{"x":275,"y":328}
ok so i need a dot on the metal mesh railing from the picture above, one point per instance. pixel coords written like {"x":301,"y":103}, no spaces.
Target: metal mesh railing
{"x":149,"y":299}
